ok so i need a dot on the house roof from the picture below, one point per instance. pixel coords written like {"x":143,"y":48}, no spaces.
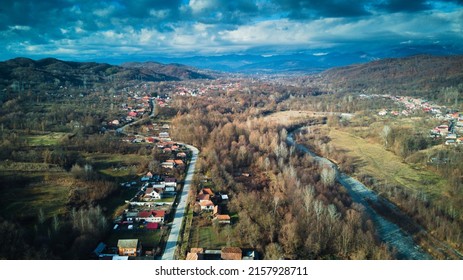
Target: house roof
{"x":207,"y":191}
{"x":170,"y":180}
{"x":127,"y":243}
{"x":223,"y":218}
{"x":154,"y":213}
{"x":192,"y":257}
{"x":151,"y":190}
{"x":206,"y":203}
{"x":152,"y":226}
{"x":179,"y":162}
{"x":231,"y":253}
{"x":204,"y":197}
{"x":197,"y":250}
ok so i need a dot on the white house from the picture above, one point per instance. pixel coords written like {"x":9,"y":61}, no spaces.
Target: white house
{"x":151,"y":193}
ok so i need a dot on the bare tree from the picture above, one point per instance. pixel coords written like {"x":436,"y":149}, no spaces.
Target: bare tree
{"x":385,"y":134}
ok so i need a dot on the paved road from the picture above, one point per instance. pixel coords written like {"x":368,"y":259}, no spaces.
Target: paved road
{"x":171,"y":245}
{"x":121,"y":129}
{"x":389,"y":232}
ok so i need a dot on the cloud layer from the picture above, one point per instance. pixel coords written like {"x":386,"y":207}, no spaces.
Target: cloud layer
{"x":87,"y":30}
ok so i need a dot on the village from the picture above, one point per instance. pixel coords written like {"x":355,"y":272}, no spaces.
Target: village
{"x":142,"y":229}
{"x":450,"y":128}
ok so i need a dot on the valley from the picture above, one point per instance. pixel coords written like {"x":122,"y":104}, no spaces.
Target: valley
{"x":88,"y":147}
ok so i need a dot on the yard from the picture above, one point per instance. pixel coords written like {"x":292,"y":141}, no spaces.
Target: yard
{"x":211,"y":236}
{"x":148,"y":238}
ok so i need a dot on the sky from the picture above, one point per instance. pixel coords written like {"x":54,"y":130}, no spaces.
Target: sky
{"x":86,"y":30}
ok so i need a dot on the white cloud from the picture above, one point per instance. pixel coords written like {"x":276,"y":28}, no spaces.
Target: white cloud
{"x":20,"y":28}
{"x":99,"y":33}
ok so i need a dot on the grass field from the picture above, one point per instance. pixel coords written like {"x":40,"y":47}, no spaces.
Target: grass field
{"x":288,"y":117}
{"x":116,"y":165}
{"x":210,"y":237}
{"x":371,"y":158}
{"x":50,"y":139}
{"x":206,"y":237}
{"x":25,"y":193}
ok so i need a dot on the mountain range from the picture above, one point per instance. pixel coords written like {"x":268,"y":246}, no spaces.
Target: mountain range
{"x":50,"y":72}
{"x":299,"y":62}
{"x":420,"y":74}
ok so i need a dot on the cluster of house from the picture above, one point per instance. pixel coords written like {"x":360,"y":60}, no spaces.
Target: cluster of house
{"x":137,"y":103}
{"x":451,"y":131}
{"x":135,"y":107}
{"x":226,"y":253}
{"x":156,"y":187}
{"x":200,"y":89}
{"x":410,"y":104}
{"x":215,"y":203}
{"x":452,"y":128}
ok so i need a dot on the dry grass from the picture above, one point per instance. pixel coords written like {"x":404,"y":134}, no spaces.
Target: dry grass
{"x":372,"y":159}
{"x":287,"y":118}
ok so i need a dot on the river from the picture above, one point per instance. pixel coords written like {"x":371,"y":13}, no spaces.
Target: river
{"x":390,"y":233}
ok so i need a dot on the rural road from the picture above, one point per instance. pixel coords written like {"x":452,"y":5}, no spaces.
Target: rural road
{"x":171,"y":245}
{"x":389,"y":232}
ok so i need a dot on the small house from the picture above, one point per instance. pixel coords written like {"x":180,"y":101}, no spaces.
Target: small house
{"x":206,"y":205}
{"x":231,"y":253}
{"x":204,"y":197}
{"x":154,"y":216}
{"x":223,"y":219}
{"x":168,"y":164}
{"x":151,"y":193}
{"x":179,"y":163}
{"x":128,"y":247}
{"x":170,"y":182}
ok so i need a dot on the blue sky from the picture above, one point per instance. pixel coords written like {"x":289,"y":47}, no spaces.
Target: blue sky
{"x":99,"y":30}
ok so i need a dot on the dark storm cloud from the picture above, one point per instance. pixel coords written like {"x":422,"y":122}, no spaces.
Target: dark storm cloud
{"x":71,"y":27}
{"x":404,"y":6}
{"x":223,"y":11}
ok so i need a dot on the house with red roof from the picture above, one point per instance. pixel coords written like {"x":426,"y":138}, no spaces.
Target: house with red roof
{"x":152,"y":226}
{"x":152,"y":216}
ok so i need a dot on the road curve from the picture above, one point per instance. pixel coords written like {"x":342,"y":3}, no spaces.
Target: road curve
{"x":171,"y":244}
{"x":389,"y":232}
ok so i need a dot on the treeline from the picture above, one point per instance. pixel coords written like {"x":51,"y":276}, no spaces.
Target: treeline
{"x":25,"y":113}
{"x":286,"y":209}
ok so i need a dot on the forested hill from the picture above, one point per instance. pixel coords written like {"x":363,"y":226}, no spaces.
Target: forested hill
{"x":24,"y":73}
{"x":178,"y":71}
{"x":424,"y":75}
